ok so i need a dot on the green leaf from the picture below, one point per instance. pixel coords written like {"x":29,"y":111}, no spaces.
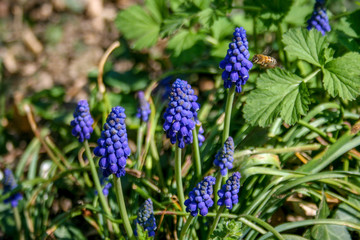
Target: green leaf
{"x":222,"y":28}
{"x":227,"y":230}
{"x":342,"y":76}
{"x":278,"y":93}
{"x":306,"y":45}
{"x":324,"y":210}
{"x":173,"y":23}
{"x":142,"y":235}
{"x":183,"y":40}
{"x":330,"y":232}
{"x":157,"y":9}
{"x":136,"y":24}
{"x":348,"y":213}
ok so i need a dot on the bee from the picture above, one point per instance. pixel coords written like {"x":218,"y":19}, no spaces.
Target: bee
{"x":265,"y":61}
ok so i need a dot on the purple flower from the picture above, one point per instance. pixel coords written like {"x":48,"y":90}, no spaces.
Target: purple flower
{"x":113,"y":148}
{"x":9,"y":184}
{"x":146,"y":219}
{"x":104,"y":181}
{"x":228,"y":194}
{"x":225,"y":156}
{"x":319,"y":19}
{"x":236,"y":63}
{"x":200,"y":197}
{"x":181,"y":113}
{"x":82,"y":122}
{"x":201,"y":137}
{"x":143,"y":110}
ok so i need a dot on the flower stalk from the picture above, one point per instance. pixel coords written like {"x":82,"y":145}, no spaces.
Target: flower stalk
{"x":121,"y":204}
{"x":178,"y":178}
{"x":96,"y":180}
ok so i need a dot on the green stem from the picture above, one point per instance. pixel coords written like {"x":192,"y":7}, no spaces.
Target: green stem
{"x":123,"y":212}
{"x":139,"y":141}
{"x":229,"y":104}
{"x":317,"y":130}
{"x":179,"y":185}
{"x":196,"y":153}
{"x":18,"y":223}
{"x":216,"y":220}
{"x":217,"y":185}
{"x":96,"y":180}
{"x":311,"y":75}
{"x":155,"y":155}
{"x":186,"y":227}
{"x":301,"y":148}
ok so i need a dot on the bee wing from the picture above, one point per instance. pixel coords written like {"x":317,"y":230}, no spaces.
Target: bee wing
{"x":267,"y":50}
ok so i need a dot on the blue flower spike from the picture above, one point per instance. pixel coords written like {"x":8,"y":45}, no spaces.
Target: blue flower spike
{"x":225,"y":157}
{"x":228,"y":194}
{"x":319,"y":19}
{"x":181,"y":114}
{"x":146,"y":219}
{"x":113,"y":148}
{"x":200,"y":197}
{"x":201,"y":136}
{"x":236,"y":63}
{"x":9,"y":184}
{"x":82,"y":123}
{"x":143,"y":110}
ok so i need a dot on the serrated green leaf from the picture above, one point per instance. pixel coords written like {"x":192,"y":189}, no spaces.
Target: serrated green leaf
{"x":136,"y":24}
{"x":157,"y":9}
{"x":221,"y":28}
{"x":278,"y":93}
{"x":206,"y":17}
{"x":183,"y":40}
{"x":330,"y":232}
{"x":342,"y":76}
{"x":171,"y":24}
{"x":306,"y":45}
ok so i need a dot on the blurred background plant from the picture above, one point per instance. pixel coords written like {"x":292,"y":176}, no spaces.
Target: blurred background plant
{"x":50,"y":53}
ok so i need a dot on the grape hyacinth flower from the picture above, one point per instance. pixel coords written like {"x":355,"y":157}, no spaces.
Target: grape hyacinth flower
{"x":113,"y":148}
{"x":181,"y":113}
{"x":228,"y":194}
{"x":319,"y":19}
{"x":201,"y":137}
{"x":143,"y":110}
{"x":9,"y":184}
{"x":225,"y":156}
{"x":107,"y":185}
{"x":146,"y":219}
{"x":200,"y":197}
{"x":82,"y":122}
{"x":236,"y":63}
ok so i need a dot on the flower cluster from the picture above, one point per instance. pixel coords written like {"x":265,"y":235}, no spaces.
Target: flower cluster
{"x":143,"y":110}
{"x":146,"y":219}
{"x":228,"y":194}
{"x":113,"y":145}
{"x":319,"y":19}
{"x":9,"y":184}
{"x":225,"y":157}
{"x":201,"y":137}
{"x":200,"y":197}
{"x":107,"y":185}
{"x":236,"y":63}
{"x":82,"y":123}
{"x":181,"y":113}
